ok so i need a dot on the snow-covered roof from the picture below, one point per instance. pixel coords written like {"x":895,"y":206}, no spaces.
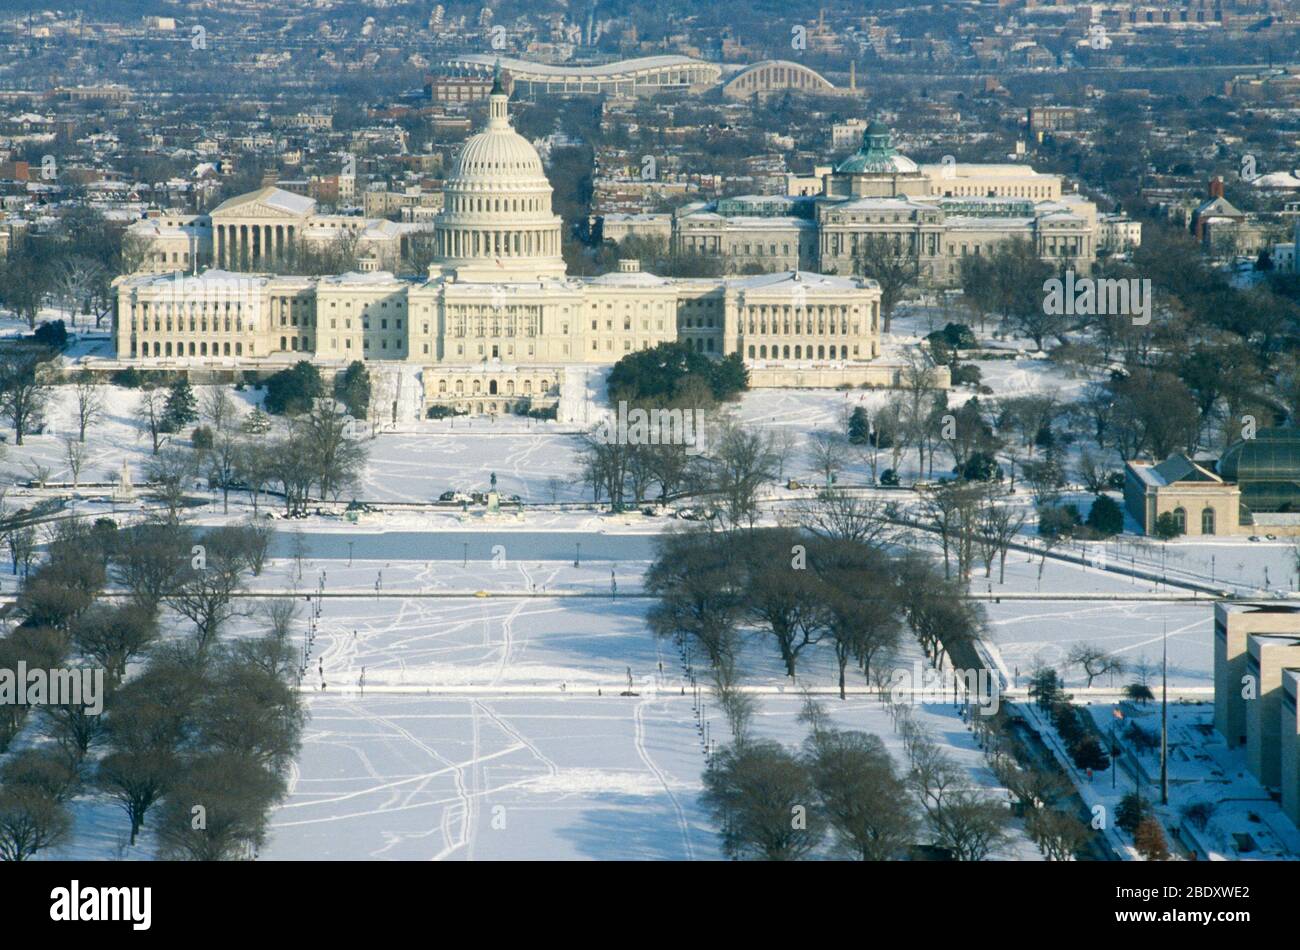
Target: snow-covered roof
{"x":789,"y":280}
{"x":272,"y":197}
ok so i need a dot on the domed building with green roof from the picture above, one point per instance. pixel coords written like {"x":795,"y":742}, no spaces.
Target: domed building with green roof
{"x":877,"y":169}
{"x":1253,"y":488}
{"x":1267,"y":471}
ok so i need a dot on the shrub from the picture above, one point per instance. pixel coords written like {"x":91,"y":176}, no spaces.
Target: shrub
{"x":1105,"y":517}
{"x":291,"y":391}
{"x":52,"y":334}
{"x":1058,"y":522}
{"x":129,"y":377}
{"x":1133,"y":808}
{"x":1166,"y":527}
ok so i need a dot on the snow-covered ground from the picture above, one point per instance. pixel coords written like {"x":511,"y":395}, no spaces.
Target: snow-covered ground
{"x":491,"y":726}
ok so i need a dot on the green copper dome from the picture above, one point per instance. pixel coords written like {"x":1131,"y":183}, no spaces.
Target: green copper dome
{"x":877,"y":155}
{"x":1266,"y":468}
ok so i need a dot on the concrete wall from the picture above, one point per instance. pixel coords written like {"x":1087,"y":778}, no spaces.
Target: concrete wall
{"x":1289,"y":750}
{"x":1267,"y":656}
{"x":1233,"y":624}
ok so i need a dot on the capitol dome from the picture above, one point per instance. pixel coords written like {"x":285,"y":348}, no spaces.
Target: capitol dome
{"x":496,"y":223}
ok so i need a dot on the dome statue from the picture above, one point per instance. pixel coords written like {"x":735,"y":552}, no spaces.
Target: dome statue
{"x":496,"y":222}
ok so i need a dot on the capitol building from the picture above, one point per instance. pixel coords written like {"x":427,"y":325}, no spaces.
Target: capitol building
{"x":497,"y":325}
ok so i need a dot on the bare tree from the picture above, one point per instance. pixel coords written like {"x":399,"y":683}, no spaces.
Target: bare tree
{"x":742,"y":462}
{"x":998,"y":527}
{"x":218,"y":409}
{"x":74,"y":453}
{"x":170,"y":473}
{"x":90,"y":403}
{"x":1094,"y":661}
{"x":837,"y":515}
{"x":24,"y":388}
{"x":205,"y":588}
{"x":31,"y":821}
{"x":1057,"y":833}
{"x":151,"y":413}
{"x":827,"y":454}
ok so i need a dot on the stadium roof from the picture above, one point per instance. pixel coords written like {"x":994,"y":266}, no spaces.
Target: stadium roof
{"x":519,"y":69}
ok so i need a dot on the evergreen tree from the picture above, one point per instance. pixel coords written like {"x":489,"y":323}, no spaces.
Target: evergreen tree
{"x":1106,"y":517}
{"x":292,"y":391}
{"x":257,"y":422}
{"x":859,"y":427}
{"x":352,"y":388}
{"x":1132,"y":810}
{"x":181,"y":408}
{"x":1166,"y":526}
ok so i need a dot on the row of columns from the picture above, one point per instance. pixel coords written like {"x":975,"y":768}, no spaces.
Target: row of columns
{"x":506,"y":243}
{"x":237,"y":244}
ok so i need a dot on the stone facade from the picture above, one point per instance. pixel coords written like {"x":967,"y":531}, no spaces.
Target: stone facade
{"x":936,"y":214}
{"x":497,"y":320}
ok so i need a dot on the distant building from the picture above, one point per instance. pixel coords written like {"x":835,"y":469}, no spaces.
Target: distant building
{"x":1268,"y":655}
{"x":1118,"y":232}
{"x":496,"y":322}
{"x":935,"y":213}
{"x":629,"y":77}
{"x":775,"y":76}
{"x":1256,"y":686}
{"x":447,"y":90}
{"x":1254,"y":487}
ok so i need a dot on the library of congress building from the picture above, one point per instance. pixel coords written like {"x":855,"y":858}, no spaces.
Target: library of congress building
{"x":497,"y":324}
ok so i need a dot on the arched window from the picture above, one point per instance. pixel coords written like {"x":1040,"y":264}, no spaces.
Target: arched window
{"x":1207,"y":521}
{"x":492,"y":387}
{"x":1180,"y":519}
